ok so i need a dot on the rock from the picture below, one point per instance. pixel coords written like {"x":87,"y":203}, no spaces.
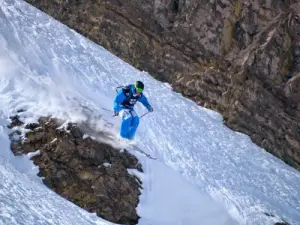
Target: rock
{"x":277,"y":223}
{"x":31,"y":126}
{"x":15,"y":121}
{"x":74,"y":168}
{"x":227,"y":36}
{"x":292,"y":90}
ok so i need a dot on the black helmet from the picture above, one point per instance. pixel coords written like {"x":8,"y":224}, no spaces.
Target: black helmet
{"x":139,"y":86}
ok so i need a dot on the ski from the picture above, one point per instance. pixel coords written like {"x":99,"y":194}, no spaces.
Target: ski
{"x":135,"y":148}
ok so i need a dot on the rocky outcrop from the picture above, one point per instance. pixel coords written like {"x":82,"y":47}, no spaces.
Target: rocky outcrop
{"x":234,"y":56}
{"x":91,"y":174}
{"x":252,"y":94}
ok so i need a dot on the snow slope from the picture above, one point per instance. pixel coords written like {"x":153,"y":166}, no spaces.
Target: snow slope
{"x":205,"y":172}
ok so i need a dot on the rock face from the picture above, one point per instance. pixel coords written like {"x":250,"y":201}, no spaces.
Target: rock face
{"x":234,"y":56}
{"x":92,"y":175}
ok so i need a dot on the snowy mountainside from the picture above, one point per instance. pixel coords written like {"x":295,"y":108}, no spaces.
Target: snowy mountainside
{"x":203,"y":169}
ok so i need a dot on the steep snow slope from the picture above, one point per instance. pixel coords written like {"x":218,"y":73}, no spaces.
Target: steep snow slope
{"x":205,"y":173}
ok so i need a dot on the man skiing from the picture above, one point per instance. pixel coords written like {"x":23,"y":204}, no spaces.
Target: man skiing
{"x":125,"y":100}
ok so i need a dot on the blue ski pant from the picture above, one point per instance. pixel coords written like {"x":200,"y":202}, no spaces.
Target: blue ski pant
{"x":130,"y":123}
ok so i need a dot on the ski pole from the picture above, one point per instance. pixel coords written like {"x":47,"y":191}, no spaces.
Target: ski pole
{"x":117,"y":88}
{"x":144,"y":114}
{"x":107,"y":109}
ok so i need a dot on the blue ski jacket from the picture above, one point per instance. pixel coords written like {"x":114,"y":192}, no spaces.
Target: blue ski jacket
{"x":127,"y":97}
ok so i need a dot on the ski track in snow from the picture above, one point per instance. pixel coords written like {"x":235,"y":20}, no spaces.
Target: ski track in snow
{"x":204,"y":172}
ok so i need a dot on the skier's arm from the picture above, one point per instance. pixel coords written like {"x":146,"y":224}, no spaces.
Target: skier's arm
{"x":120,"y":97}
{"x":145,"y":102}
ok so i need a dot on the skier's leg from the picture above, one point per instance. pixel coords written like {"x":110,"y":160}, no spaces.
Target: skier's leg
{"x":134,"y":125}
{"x":125,"y":126}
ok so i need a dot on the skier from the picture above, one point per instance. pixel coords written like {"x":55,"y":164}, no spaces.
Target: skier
{"x":125,"y":100}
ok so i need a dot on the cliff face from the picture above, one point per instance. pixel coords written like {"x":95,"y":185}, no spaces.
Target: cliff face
{"x":241,"y":58}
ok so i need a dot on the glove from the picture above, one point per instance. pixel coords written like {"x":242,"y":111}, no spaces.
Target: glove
{"x":150,"y":109}
{"x":116,"y":113}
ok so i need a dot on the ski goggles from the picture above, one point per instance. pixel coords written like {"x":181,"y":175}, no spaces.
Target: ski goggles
{"x":139,"y":89}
